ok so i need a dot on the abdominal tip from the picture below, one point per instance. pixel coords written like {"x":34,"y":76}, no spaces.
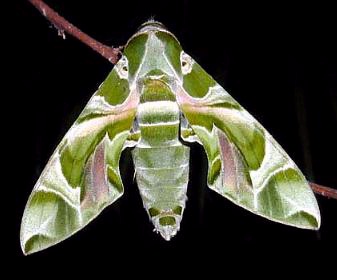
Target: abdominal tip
{"x":167,"y":232}
{"x":167,"y":226}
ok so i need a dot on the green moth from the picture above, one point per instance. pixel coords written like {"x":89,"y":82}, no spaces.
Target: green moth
{"x":155,"y":100}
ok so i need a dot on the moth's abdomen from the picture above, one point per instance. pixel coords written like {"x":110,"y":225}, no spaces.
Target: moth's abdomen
{"x":161,"y":164}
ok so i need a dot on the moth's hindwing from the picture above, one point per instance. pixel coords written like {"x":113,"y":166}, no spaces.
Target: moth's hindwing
{"x":82,"y":176}
{"x":246,"y":165}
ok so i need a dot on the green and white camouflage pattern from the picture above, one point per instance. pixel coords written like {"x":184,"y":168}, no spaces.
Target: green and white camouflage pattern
{"x":155,"y":96}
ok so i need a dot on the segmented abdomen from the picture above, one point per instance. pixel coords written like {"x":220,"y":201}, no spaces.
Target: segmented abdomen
{"x":161,"y":164}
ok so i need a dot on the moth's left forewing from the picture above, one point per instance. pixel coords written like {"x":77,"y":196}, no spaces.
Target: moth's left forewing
{"x":82,"y":176}
{"x":246,"y":164}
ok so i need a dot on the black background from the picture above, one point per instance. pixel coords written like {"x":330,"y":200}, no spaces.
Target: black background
{"x":278,"y":61}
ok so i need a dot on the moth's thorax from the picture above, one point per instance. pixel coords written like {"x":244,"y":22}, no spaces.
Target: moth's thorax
{"x":156,"y":88}
{"x":153,"y":49}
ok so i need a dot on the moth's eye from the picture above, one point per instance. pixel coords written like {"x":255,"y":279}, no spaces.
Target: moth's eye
{"x":186,"y":63}
{"x":122,"y":67}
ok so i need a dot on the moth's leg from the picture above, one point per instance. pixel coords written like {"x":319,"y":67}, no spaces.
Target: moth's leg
{"x":134,"y":136}
{"x":187,"y":133}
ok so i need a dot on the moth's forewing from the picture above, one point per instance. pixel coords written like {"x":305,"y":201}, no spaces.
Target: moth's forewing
{"x":246,"y":164}
{"x":82,"y":176}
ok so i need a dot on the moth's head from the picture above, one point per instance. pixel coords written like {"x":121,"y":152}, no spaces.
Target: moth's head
{"x":152,"y":25}
{"x":153,"y":52}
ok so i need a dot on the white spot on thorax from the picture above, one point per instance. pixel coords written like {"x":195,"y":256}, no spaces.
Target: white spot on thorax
{"x":186,"y":63}
{"x":122,"y":68}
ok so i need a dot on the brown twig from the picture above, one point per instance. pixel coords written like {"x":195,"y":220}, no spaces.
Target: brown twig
{"x":62,"y":25}
{"x":324,"y":191}
{"x":112,"y":54}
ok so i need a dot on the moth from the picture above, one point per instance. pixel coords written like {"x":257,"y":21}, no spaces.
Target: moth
{"x":155,"y":100}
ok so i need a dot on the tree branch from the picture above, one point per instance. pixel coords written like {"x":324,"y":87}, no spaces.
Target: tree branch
{"x":112,"y":54}
{"x":62,"y":25}
{"x":324,"y":191}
